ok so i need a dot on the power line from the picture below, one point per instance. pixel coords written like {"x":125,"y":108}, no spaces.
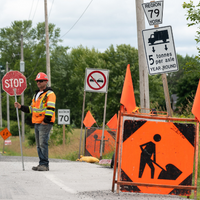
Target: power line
{"x":78,"y":19}
{"x":31,"y":10}
{"x":35,"y":10}
{"x":51,"y":8}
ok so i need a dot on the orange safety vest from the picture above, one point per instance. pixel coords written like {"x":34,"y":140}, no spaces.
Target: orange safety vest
{"x":39,"y":108}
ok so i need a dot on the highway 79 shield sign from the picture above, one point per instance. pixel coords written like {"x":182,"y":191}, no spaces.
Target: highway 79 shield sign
{"x":63,"y":116}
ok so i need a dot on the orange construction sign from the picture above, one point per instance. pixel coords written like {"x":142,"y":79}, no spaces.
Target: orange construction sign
{"x":157,"y":153}
{"x":5,"y":133}
{"x":93,"y":142}
{"x":112,"y":124}
{"x":89,"y":120}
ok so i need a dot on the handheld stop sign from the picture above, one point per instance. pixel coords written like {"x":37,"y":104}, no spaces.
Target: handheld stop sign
{"x":14,"y":80}
{"x":14,"y":83}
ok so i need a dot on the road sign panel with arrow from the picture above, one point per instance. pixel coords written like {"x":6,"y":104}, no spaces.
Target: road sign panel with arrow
{"x":160,"y":50}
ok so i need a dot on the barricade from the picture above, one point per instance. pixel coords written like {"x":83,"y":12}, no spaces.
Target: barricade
{"x":93,"y":142}
{"x":156,"y":154}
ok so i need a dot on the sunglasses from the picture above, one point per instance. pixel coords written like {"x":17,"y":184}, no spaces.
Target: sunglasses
{"x":40,"y":81}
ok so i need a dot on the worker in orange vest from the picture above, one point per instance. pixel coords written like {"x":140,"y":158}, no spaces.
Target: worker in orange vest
{"x":43,"y":117}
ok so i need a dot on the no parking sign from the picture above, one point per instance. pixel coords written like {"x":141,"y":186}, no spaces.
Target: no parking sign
{"x":96,"y":80}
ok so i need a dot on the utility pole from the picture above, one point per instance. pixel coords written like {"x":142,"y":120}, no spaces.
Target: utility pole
{"x":8,"y":111}
{"x":22,"y":95}
{"x":48,"y":71}
{"x":166,"y":90}
{"x":143,"y":73}
{"x":0,"y":105}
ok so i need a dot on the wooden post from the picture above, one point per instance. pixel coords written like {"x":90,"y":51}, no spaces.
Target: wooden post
{"x":3,"y":146}
{"x":166,"y":90}
{"x":63,"y":134}
{"x":22,"y":95}
{"x":143,"y":73}
{"x":48,"y":71}
{"x":8,"y":108}
{"x":167,"y":98}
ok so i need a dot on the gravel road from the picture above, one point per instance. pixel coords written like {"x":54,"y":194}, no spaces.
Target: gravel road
{"x":65,"y":180}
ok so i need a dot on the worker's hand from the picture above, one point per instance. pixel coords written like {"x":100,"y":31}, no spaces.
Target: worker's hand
{"x":44,"y":123}
{"x":17,"y":105}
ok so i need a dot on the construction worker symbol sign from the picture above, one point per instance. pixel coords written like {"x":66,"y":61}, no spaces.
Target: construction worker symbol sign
{"x":157,"y":153}
{"x":96,"y":80}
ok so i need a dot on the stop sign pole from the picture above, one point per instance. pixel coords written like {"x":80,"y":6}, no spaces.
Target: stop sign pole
{"x":14,"y":83}
{"x":19,"y":131}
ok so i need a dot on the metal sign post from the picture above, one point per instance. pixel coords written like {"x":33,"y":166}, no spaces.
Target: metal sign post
{"x":104,"y":119}
{"x":96,"y":80}
{"x":19,"y":131}
{"x":82,"y":123}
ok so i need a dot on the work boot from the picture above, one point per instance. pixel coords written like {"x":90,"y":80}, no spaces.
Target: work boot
{"x":42,"y":168}
{"x":35,"y":168}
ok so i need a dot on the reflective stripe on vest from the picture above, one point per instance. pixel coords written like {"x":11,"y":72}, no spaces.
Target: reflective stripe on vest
{"x":39,"y":108}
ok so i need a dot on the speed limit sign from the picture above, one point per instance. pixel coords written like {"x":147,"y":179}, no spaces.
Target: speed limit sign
{"x":63,"y":116}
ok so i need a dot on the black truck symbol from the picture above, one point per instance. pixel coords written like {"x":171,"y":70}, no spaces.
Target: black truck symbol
{"x":159,"y":35}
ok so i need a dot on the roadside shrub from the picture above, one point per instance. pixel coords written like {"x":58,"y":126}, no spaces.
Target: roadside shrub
{"x":31,"y":139}
{"x":56,"y":137}
{"x":14,"y":128}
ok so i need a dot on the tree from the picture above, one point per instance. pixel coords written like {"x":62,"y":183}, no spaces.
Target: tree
{"x":185,"y":81}
{"x":193,"y":15}
{"x":34,"y":51}
{"x":116,"y":60}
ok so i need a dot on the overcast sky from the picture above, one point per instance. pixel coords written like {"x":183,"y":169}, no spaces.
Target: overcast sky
{"x":100,"y":23}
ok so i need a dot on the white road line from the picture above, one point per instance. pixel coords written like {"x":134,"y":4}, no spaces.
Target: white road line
{"x":59,"y":183}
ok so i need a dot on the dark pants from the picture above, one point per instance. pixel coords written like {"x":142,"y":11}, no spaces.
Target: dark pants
{"x":42,"y":135}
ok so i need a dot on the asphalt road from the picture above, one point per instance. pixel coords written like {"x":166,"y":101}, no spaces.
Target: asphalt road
{"x":65,"y":180}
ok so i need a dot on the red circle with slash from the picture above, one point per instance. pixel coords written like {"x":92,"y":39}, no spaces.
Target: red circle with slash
{"x":90,"y":77}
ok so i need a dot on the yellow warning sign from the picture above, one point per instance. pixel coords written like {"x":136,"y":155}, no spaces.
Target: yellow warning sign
{"x":5,"y":133}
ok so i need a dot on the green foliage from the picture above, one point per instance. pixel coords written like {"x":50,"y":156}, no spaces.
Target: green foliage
{"x":31,"y":139}
{"x":56,"y":138}
{"x":72,"y":156}
{"x":193,"y":16}
{"x":14,"y":128}
{"x":68,"y":73}
{"x":186,"y":89}
{"x":34,"y":55}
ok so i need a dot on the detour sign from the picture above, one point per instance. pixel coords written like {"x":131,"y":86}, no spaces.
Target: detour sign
{"x":157,"y":153}
{"x":93,"y":142}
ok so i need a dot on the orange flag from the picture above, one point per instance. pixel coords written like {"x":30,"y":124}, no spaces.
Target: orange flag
{"x":196,"y":104}
{"x":112,"y":124}
{"x":89,"y":119}
{"x":128,"y":97}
